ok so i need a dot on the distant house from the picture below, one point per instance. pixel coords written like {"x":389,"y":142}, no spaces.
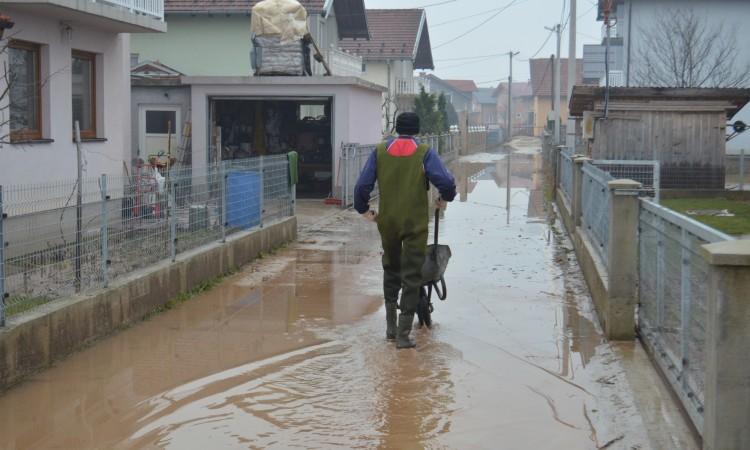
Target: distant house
{"x":399,"y":44}
{"x":67,"y":62}
{"x":488,"y":106}
{"x":523,"y":107}
{"x":219,"y":32}
{"x":542,"y":77}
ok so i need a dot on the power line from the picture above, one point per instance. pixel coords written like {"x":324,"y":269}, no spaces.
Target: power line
{"x":540,"y":48}
{"x":513,"y":2}
{"x":464,"y":58}
{"x":471,"y":16}
{"x":437,"y":4}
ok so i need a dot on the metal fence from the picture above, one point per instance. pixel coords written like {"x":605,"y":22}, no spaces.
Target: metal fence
{"x":55,"y":248}
{"x":648,"y":173}
{"x":595,"y":199}
{"x":354,"y":157}
{"x":352,"y":161}
{"x":565,"y":173}
{"x":673,"y":291}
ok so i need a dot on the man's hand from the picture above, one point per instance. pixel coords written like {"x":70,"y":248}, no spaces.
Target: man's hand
{"x":370,"y":215}
{"x":440,"y":203}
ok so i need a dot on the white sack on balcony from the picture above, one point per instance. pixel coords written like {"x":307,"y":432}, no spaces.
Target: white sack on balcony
{"x":284,"y":18}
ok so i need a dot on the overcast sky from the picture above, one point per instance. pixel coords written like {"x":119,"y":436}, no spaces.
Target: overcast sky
{"x":520,"y":27}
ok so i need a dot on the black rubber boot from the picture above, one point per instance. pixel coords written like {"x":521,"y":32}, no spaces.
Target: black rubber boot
{"x":404,"y":328}
{"x":391,"y":316}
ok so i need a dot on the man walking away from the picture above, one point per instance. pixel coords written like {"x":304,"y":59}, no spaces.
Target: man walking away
{"x":403,"y":168}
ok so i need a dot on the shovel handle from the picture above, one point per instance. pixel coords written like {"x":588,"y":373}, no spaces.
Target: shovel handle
{"x":437,"y":224}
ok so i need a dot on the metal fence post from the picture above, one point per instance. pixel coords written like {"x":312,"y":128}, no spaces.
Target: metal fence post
{"x":660,"y":268}
{"x":223,"y":201}
{"x":172,"y":208}
{"x":685,"y":307}
{"x":345,"y":185}
{"x":104,"y":232}
{"x":2,"y":262}
{"x":262,"y":190}
{"x":742,"y":169}
{"x":657,"y":182}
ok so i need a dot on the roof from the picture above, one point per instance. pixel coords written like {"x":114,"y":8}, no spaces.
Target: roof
{"x":154,"y":70}
{"x":395,"y":34}
{"x":486,"y":96}
{"x":541,"y":76}
{"x":584,"y":98}
{"x":442,"y":86}
{"x":239,"y":6}
{"x":520,"y":89}
{"x":466,"y":86}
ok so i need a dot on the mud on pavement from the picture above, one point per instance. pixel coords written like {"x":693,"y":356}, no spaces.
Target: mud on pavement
{"x":291,"y":352}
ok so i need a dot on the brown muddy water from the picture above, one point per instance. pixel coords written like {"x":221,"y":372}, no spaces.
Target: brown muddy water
{"x":291,"y":353}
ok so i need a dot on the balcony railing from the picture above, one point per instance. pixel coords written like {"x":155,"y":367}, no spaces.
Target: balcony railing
{"x":153,"y":8}
{"x":406,"y":86}
{"x":344,"y":64}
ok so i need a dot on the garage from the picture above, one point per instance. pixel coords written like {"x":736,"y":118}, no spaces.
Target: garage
{"x":247,"y":127}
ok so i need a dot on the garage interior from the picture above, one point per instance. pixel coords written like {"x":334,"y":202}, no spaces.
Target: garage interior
{"x":249,"y":127}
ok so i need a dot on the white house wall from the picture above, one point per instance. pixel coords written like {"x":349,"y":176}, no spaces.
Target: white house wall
{"x":356,"y":112}
{"x":38,"y":162}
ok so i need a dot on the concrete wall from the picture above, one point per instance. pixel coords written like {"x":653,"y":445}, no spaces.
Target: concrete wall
{"x":56,"y":160}
{"x":33,"y":341}
{"x":385,"y":73}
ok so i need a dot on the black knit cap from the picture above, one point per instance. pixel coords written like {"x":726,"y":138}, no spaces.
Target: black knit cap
{"x":407,"y":124}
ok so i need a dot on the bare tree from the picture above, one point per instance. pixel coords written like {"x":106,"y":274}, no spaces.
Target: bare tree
{"x":681,"y":49}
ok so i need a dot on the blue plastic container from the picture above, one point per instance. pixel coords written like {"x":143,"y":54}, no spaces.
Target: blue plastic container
{"x":243,"y":199}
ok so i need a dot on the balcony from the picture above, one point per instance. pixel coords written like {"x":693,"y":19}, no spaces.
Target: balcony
{"x":117,"y":16}
{"x":151,"y":8}
{"x":406,"y":86}
{"x":343,"y":64}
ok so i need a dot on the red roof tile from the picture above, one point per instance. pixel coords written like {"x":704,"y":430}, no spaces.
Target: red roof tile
{"x":198,"y":6}
{"x":463,"y":85}
{"x":393,"y":34}
{"x":541,"y":76}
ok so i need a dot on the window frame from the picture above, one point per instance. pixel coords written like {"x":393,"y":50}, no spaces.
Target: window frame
{"x":29,"y":134}
{"x":89,"y":133}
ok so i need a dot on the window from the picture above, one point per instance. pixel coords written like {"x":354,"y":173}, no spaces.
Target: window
{"x":83,"y":74}
{"x":311,"y":111}
{"x":25,"y":92}
{"x":160,"y":122}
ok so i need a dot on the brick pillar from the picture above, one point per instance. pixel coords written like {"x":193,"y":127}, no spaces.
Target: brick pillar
{"x":576,"y":201}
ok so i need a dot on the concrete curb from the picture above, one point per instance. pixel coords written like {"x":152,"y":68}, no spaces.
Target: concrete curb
{"x":34,"y":341}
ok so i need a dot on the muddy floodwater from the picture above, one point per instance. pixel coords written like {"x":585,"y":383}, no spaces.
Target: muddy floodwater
{"x":291,"y":352}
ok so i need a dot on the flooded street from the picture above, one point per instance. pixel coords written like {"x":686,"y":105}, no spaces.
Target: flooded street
{"x":291,"y":351}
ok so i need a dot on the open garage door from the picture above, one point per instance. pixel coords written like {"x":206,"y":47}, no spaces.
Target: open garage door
{"x":248,"y":127}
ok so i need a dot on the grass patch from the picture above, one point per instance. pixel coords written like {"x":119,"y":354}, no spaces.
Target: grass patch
{"x":19,"y":304}
{"x":737,"y":225}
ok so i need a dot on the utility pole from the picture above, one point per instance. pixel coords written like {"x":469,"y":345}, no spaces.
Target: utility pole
{"x":511,"y":54}
{"x":570,"y":140}
{"x":556,"y":92}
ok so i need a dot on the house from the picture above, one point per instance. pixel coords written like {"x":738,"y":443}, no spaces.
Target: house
{"x":459,"y":93}
{"x":487,"y":106}
{"x":399,"y":44}
{"x":202,"y":119}
{"x":523,"y":107}
{"x":67,"y":61}
{"x":542,"y":77}
{"x":635,"y":21}
{"x":220,"y":33}
{"x":682,"y":128}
